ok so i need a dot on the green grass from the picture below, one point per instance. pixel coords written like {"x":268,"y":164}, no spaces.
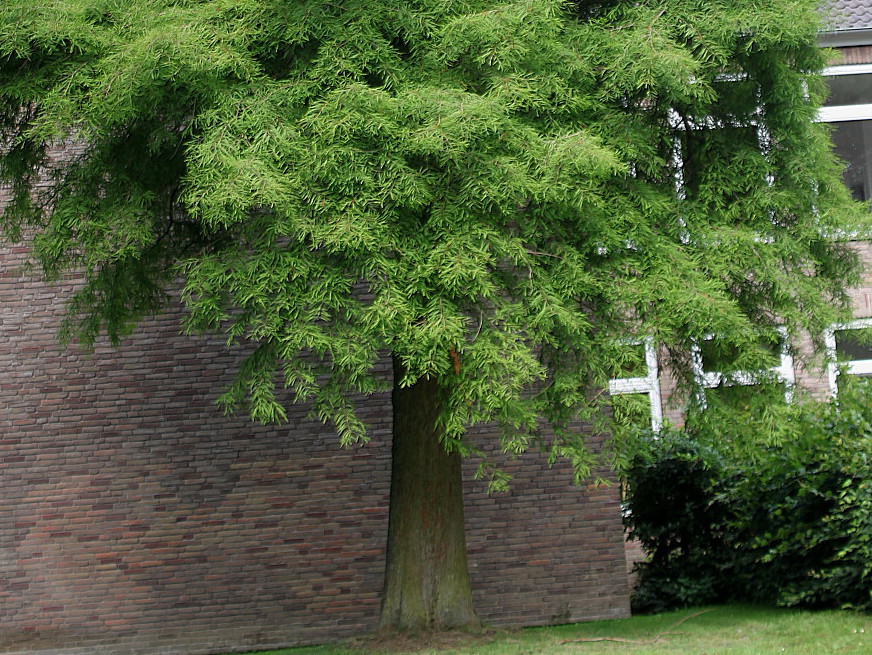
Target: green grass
{"x":734,"y":629}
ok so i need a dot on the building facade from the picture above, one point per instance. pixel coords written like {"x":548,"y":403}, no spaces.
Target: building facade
{"x":796,"y":368}
{"x":136,"y":518}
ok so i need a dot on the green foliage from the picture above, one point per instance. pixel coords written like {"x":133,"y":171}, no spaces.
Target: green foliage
{"x":632,"y":412}
{"x":672,"y":483}
{"x":485,"y":190}
{"x":788,"y":522}
{"x":739,"y":419}
{"x":811,"y":535}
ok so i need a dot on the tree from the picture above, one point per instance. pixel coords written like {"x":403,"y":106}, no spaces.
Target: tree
{"x":494,"y":194}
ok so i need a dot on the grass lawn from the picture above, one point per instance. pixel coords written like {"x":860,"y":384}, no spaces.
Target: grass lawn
{"x":733,"y":629}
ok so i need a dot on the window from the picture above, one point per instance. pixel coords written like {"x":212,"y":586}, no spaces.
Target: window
{"x":849,"y":350}
{"x":847,"y":107}
{"x":849,"y":345}
{"x":849,"y":86}
{"x":714,"y":367}
{"x":639,"y":379}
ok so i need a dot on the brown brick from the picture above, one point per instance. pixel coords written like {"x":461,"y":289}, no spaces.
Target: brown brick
{"x":137,"y":518}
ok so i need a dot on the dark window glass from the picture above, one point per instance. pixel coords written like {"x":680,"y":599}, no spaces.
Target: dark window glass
{"x":850,"y":139}
{"x":741,"y":398}
{"x":845,"y":381}
{"x":854,"y":344}
{"x":721,"y":357}
{"x":849,"y":90}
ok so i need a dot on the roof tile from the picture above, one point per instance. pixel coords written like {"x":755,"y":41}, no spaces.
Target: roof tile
{"x":848,"y":14}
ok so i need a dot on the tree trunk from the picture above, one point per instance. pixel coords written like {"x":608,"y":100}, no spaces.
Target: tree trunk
{"x":426,"y":576}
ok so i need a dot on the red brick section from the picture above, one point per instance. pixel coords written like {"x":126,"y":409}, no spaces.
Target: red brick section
{"x":547,"y":551}
{"x":135,"y":518}
{"x":854,"y":55}
{"x":811,"y":373}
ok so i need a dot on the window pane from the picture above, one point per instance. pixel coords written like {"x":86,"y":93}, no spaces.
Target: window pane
{"x":745,"y":399}
{"x":721,"y":357}
{"x":632,"y":412}
{"x":849,"y":90}
{"x":844,"y":381}
{"x":632,"y":363}
{"x":712,"y":152}
{"x":854,"y":344}
{"x":850,"y":139}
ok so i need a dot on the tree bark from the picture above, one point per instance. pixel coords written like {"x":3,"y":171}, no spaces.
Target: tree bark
{"x":426,"y":575}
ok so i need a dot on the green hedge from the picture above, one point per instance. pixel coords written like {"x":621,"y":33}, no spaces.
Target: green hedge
{"x":783,"y":516}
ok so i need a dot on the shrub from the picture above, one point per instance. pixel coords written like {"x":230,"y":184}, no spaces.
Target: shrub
{"x":788,"y":521}
{"x":811,"y":531}
{"x":672,"y":512}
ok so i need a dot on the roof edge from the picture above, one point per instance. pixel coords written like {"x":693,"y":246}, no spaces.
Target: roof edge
{"x":845,"y":38}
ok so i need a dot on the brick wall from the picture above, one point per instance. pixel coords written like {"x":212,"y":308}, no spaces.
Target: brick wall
{"x":854,"y":55}
{"x":811,"y":373}
{"x":861,"y":296}
{"x":545,"y":552}
{"x":134,"y":518}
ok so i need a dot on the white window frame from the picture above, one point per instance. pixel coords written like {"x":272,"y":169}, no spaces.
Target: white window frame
{"x":784,"y":372}
{"x":648,"y":384}
{"x":836,"y":114}
{"x":843,"y":113}
{"x":851,"y":366}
